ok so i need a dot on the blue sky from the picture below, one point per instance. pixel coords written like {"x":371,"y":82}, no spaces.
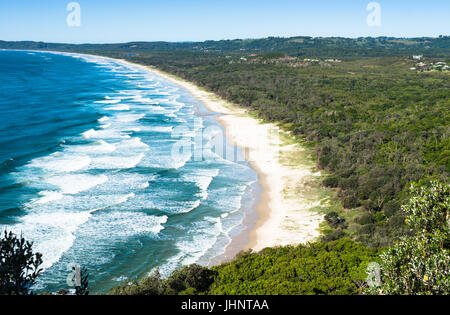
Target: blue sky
{"x":106,"y":21}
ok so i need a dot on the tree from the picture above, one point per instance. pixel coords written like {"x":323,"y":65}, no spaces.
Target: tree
{"x":19,"y":266}
{"x":194,"y":277}
{"x":420,"y":264}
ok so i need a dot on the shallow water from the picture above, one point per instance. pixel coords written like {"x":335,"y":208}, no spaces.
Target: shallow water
{"x":108,"y":166}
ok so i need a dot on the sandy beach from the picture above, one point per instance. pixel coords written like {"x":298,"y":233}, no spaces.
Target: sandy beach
{"x":284,"y":216}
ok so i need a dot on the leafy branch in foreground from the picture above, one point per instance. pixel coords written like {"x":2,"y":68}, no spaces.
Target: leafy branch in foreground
{"x":420,"y":264}
{"x":19,"y":266}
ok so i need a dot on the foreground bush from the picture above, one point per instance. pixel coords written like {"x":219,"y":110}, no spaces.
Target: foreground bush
{"x":191,"y":280}
{"x":19,"y":266}
{"x":334,"y":268}
{"x":337,"y":267}
{"x":420,"y":264}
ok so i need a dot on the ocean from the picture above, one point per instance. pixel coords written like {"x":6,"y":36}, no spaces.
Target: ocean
{"x":105,"y":165}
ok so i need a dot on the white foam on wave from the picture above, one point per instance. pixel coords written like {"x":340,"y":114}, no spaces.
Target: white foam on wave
{"x":194,"y":246}
{"x":203,"y":179}
{"x":74,"y":184}
{"x":109,"y":101}
{"x":173,"y":100}
{"x":60,"y":162}
{"x":103,"y":119}
{"x":130,"y":117}
{"x":170,"y":156}
{"x":48,"y":196}
{"x":180,"y":162}
{"x":52,"y":229}
{"x":116,"y":162}
{"x":98,"y":147}
{"x":126,"y":198}
{"x":120,"y":107}
{"x":104,"y":134}
{"x":145,"y":185}
{"x":161,"y":129}
{"x":160,"y":93}
{"x":133,"y":129}
{"x":125,"y":224}
{"x":51,"y":232}
{"x":89,"y":134}
{"x":133,"y":143}
{"x":122,"y":183}
{"x":146,"y":100}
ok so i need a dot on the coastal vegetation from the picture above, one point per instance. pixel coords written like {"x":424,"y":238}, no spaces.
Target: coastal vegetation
{"x":375,"y":128}
{"x":19,"y":265}
{"x":420,"y":264}
{"x":337,"y":267}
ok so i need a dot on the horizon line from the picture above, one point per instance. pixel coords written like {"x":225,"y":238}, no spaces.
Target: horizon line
{"x":220,"y":40}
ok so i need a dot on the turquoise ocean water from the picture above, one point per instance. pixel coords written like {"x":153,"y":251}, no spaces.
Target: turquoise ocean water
{"x":105,"y":165}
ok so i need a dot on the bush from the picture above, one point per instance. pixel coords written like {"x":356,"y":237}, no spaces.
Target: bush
{"x":351,"y":202}
{"x":331,"y":181}
{"x":336,"y":267}
{"x":192,"y":279}
{"x":366,"y":219}
{"x":420,"y":264}
{"x":334,"y":220}
{"x":333,"y":236}
{"x":19,"y":266}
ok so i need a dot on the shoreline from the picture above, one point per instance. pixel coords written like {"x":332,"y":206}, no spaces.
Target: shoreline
{"x":283,"y":218}
{"x":284,"y":215}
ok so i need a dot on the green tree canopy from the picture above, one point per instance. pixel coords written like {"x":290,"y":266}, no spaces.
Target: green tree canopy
{"x":420,"y":264}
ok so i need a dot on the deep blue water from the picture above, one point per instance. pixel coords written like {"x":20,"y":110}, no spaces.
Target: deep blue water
{"x":108,"y":166}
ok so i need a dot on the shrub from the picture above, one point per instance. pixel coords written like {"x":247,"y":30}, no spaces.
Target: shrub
{"x":19,"y":266}
{"x":420,"y":264}
{"x":196,"y":277}
{"x":334,"y":220}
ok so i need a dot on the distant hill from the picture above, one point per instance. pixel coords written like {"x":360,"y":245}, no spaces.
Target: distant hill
{"x":296,"y":46}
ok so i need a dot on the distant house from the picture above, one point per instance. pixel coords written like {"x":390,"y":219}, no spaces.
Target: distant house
{"x":418,"y":57}
{"x":310,"y":60}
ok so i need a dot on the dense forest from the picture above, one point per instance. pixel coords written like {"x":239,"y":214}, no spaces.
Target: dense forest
{"x":375,"y":123}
